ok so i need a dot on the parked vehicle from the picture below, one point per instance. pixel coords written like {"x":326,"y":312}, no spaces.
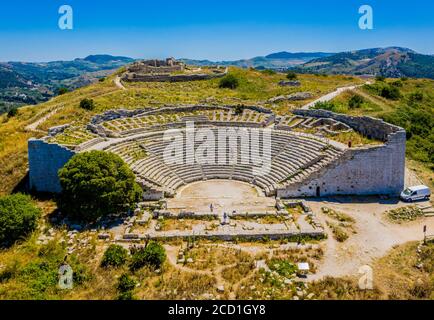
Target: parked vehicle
{"x":416,"y":193}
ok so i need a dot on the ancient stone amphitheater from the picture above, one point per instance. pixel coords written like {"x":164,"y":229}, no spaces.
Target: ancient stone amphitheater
{"x":305,"y":160}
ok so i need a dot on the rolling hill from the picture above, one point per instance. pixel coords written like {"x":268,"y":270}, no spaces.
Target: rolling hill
{"x":24,"y":83}
{"x":279,"y":60}
{"x":393,"y":62}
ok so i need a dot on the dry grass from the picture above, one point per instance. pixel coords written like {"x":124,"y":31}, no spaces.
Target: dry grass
{"x":399,"y":278}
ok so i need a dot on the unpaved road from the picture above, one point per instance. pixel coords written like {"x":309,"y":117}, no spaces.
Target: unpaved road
{"x":374,"y":238}
{"x":118,"y":83}
{"x":330,"y":96}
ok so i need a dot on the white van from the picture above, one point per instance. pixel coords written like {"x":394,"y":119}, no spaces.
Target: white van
{"x":415,"y":193}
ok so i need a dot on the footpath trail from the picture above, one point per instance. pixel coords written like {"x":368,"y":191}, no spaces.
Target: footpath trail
{"x":328,"y":97}
{"x":118,"y":83}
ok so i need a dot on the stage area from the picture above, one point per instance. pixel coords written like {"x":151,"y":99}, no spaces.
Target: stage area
{"x":224,"y":195}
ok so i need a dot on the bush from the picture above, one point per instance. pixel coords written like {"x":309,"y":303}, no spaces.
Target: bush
{"x":390,"y":92}
{"x":291,"y":75}
{"x":87,"y":104}
{"x":239,"y":109}
{"x":125,"y":286}
{"x":12,"y":112}
{"x":153,"y":255}
{"x":18,"y":218}
{"x":62,"y":90}
{"x":380,"y":78}
{"x":355,"y":101}
{"x":325,"y":105}
{"x":95,"y":184}
{"x":282,"y":267}
{"x":268,"y":72}
{"x":229,"y":82}
{"x":126,"y":283}
{"x":114,"y":256}
{"x":415,"y":97}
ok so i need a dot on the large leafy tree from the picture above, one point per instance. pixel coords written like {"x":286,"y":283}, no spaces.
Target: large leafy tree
{"x":95,"y":184}
{"x":18,"y":218}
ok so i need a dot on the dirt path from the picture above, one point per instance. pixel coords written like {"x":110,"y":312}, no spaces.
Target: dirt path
{"x":118,"y":83}
{"x":34,"y":126}
{"x":374,"y":238}
{"x":328,"y":97}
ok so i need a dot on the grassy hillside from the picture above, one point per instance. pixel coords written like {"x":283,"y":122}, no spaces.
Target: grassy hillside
{"x":23,"y":83}
{"x":390,"y":62}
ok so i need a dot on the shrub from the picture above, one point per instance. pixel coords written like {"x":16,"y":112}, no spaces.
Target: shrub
{"x":95,"y":184}
{"x":325,"y":105}
{"x":268,"y":72}
{"x":380,"y":78}
{"x":153,"y":255}
{"x":282,"y":267}
{"x":12,"y":112}
{"x":125,"y":286}
{"x":18,"y":218}
{"x":390,"y":92}
{"x":126,"y":283}
{"x":87,"y":104}
{"x":415,"y":97}
{"x":229,"y":82}
{"x":238,"y":109}
{"x":291,"y":75}
{"x":114,"y":256}
{"x":62,"y":90}
{"x":355,"y":101}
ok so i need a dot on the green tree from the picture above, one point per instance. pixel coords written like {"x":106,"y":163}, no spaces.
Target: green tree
{"x":18,"y":218}
{"x":229,"y":82}
{"x":95,"y":184}
{"x":62,"y":90}
{"x":114,"y":256}
{"x":291,"y":75}
{"x":153,"y":255}
{"x":87,"y":104}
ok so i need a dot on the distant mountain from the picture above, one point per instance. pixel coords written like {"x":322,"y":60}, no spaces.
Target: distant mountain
{"x":279,"y":60}
{"x":297,"y":55}
{"x":389,"y":62}
{"x":30,"y":83}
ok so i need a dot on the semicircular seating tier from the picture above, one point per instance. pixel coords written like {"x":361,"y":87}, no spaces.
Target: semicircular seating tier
{"x":292,"y":158}
{"x":152,"y":121}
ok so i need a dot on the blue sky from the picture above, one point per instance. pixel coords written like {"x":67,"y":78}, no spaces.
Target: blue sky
{"x":208,"y":29}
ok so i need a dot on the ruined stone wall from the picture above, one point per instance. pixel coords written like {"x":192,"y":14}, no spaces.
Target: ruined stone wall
{"x":367,"y":126}
{"x":165,"y":77}
{"x":375,"y":170}
{"x":45,"y":160}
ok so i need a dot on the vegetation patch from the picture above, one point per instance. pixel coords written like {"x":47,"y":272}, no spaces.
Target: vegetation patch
{"x":409,"y":213}
{"x":18,"y":218}
{"x":114,"y":256}
{"x":153,"y":255}
{"x":95,"y":184}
